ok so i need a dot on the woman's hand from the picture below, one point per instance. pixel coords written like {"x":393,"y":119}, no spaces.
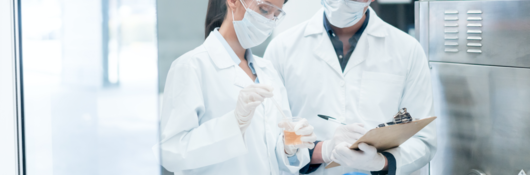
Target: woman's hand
{"x":304,"y":129}
{"x":250,"y":98}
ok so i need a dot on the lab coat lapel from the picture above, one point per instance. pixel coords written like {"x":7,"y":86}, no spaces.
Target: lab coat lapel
{"x":222,"y":60}
{"x":241,"y":79}
{"x":371,"y":44}
{"x":266,"y":79}
{"x":259,"y":67}
{"x":217,"y":52}
{"x":325,"y":51}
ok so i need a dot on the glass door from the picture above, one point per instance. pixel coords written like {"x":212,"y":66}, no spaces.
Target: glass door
{"x":9,"y":118}
{"x":90,"y":86}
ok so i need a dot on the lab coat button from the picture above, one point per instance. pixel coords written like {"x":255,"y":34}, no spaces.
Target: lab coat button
{"x":342,"y":83}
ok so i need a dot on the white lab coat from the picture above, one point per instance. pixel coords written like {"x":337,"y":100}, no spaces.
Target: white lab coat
{"x":388,"y":70}
{"x":200,"y":134}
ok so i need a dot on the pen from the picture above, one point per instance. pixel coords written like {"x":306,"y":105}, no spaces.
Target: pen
{"x":328,"y":118}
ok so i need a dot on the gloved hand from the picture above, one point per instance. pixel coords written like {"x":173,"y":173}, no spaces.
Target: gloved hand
{"x":367,"y":158}
{"x":250,"y":98}
{"x":344,"y":133}
{"x":304,"y":129}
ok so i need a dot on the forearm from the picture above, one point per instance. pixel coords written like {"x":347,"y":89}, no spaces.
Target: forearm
{"x":310,"y":166}
{"x":187,"y":149}
{"x":317,"y":154}
{"x":390,"y":165}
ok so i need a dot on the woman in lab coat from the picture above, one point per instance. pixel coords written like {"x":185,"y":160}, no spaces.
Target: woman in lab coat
{"x":218,"y":114}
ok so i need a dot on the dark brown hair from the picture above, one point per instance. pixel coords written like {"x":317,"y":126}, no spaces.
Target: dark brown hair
{"x":215,"y":15}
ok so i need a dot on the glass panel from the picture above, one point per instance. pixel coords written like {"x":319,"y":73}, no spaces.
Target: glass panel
{"x":90,"y":86}
{"x":8,"y":115}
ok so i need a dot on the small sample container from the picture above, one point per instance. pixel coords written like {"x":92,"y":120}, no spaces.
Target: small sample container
{"x":289,"y":135}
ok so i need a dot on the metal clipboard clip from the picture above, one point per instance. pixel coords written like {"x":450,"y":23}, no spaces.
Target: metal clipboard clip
{"x":401,"y":117}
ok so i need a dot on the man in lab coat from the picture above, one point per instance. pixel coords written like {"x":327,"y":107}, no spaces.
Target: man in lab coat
{"x":347,"y":63}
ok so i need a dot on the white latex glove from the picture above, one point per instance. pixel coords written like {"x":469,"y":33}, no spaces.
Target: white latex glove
{"x":366,"y":158}
{"x":304,"y":129}
{"x":344,"y":133}
{"x":250,"y":98}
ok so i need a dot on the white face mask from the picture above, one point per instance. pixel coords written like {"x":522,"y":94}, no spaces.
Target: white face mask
{"x":344,"y":13}
{"x":253,"y":29}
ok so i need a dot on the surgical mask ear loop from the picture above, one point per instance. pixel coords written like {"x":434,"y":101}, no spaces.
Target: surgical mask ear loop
{"x":233,"y":19}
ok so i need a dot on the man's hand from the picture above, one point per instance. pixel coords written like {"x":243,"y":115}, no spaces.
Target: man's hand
{"x":367,"y":158}
{"x":345,"y":133}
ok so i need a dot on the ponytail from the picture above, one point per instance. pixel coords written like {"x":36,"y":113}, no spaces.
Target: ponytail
{"x":215,"y":15}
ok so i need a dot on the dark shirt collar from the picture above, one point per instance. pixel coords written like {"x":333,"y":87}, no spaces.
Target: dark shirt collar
{"x":330,"y":31}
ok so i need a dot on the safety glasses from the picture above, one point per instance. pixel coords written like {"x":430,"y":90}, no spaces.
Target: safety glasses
{"x":265,"y":9}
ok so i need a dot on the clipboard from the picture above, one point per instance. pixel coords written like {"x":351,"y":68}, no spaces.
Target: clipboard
{"x":388,"y":137}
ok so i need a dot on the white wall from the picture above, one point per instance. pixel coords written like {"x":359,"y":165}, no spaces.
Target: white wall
{"x":8,"y":159}
{"x":297,"y":12}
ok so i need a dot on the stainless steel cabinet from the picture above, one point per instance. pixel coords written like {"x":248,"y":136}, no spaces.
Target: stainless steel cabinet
{"x":479,"y":52}
{"x":484,"y":119}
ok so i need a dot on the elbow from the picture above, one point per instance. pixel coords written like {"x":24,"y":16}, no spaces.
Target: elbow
{"x":171,"y":155}
{"x":171,"y":160}
{"x":433,"y":150}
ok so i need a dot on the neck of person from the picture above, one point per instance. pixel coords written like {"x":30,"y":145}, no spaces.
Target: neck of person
{"x":348,"y":32}
{"x":229,"y":33}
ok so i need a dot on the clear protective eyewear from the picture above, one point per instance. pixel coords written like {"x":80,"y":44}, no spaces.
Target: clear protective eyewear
{"x":266,"y":9}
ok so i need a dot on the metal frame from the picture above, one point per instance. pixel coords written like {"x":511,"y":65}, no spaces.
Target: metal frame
{"x":11,"y":106}
{"x":421,"y":21}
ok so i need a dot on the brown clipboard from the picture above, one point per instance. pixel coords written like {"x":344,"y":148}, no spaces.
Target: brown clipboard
{"x":388,"y":137}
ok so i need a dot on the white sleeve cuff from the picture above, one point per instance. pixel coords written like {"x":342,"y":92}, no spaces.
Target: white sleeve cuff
{"x":302,"y":155}
{"x":326,"y":151}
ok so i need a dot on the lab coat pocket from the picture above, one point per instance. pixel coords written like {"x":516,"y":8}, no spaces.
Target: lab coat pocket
{"x":380,"y":96}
